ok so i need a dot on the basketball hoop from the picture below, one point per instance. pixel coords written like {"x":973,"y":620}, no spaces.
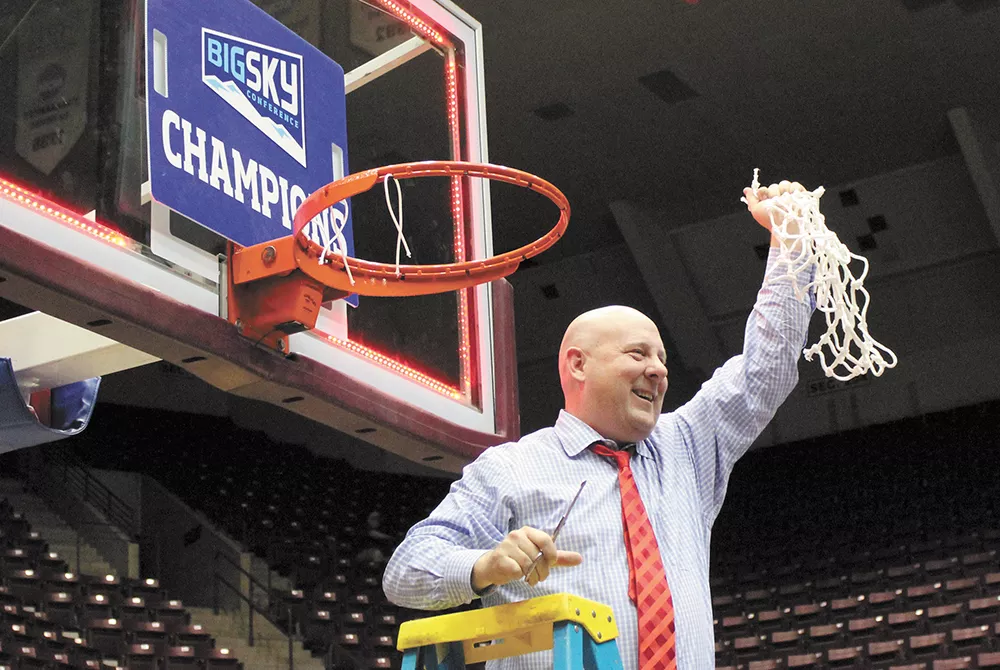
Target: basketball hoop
{"x":353,"y":275}
{"x":277,"y":287}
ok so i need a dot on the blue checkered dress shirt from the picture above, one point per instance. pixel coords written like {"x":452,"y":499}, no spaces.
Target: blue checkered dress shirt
{"x":681,"y":471}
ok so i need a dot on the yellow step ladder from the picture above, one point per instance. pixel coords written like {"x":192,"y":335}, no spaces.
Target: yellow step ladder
{"x":581,"y":634}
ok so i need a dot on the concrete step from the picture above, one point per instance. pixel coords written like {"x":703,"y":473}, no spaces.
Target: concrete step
{"x":270,"y":650}
{"x":60,"y":536}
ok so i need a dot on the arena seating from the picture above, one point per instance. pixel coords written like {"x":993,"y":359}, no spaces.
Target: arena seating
{"x":306,"y":516}
{"x":871,"y":548}
{"x":874,"y":548}
{"x":52,"y":618}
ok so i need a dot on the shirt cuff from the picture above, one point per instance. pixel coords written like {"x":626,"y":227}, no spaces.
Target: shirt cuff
{"x":457,"y":573}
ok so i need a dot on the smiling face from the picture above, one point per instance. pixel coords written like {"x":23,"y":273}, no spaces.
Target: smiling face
{"x":613,"y":368}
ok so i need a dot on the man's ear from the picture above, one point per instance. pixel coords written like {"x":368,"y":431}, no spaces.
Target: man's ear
{"x":576,"y":363}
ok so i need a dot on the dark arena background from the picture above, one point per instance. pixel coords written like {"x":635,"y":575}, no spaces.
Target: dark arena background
{"x":230,"y":504}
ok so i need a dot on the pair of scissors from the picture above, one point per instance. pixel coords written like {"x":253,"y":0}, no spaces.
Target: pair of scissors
{"x":555,"y":533}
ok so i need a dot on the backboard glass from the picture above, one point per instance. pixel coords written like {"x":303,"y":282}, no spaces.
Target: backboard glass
{"x":83,"y":239}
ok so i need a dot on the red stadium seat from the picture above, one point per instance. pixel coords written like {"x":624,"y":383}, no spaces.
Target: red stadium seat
{"x":906,"y":621}
{"x":26,"y":585}
{"x":933,"y":643}
{"x":348,"y":640}
{"x":990,"y":659}
{"x":860,"y":580}
{"x":731,"y":625}
{"x":976,"y":636}
{"x":758,"y":599}
{"x":786,"y":639}
{"x":884,"y":600}
{"x":862,"y":629}
{"x":960,"y":587}
{"x":841,"y":608}
{"x":991,"y":583}
{"x":924,"y":593}
{"x":899,"y":575}
{"x":133,"y":608}
{"x":804,"y":660}
{"x":748,"y":646}
{"x":152,"y":632}
{"x":953,"y":663}
{"x":831,"y":587}
{"x":143,"y":656}
{"x":789,"y":592}
{"x":976,"y":562}
{"x":826,"y":635}
{"x":182,"y":656}
{"x":844,"y":656}
{"x":885,"y":651}
{"x":96,"y":606}
{"x":769,"y":619}
{"x":943,"y":616}
{"x":806,"y":612}
{"x":943,"y":567}
{"x":220,"y":658}
{"x":983,"y":608}
{"x":106,"y":635}
{"x":195,"y":636}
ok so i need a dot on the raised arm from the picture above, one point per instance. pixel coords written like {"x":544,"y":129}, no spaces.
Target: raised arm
{"x":733,"y":407}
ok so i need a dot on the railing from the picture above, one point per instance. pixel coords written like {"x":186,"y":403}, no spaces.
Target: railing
{"x":249,"y":600}
{"x":74,"y":478}
{"x":334,"y":652}
{"x":338,"y":658}
{"x":271,"y":557}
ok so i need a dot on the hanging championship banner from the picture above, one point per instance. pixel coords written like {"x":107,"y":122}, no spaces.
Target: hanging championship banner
{"x":53,"y":51}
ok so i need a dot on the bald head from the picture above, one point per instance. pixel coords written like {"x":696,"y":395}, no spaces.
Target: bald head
{"x":590,"y":328}
{"x":612,"y":368}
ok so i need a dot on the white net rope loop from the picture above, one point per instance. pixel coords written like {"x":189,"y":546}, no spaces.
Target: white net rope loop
{"x":338,"y":244}
{"x":846,"y":350}
{"x":398,"y":222}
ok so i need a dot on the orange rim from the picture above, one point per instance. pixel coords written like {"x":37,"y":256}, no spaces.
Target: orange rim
{"x":382,"y":279}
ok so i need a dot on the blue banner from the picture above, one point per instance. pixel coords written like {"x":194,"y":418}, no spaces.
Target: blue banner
{"x":245,"y":120}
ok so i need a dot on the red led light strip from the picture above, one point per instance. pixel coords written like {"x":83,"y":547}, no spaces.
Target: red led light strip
{"x":416,"y":23}
{"x":458,"y":221}
{"x":397,"y":367}
{"x":20,"y":196}
{"x":424,"y":28}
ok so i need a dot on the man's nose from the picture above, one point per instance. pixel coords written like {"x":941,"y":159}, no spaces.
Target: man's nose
{"x":657,"y":370}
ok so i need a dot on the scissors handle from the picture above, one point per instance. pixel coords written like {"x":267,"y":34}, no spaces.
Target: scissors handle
{"x":555,"y":533}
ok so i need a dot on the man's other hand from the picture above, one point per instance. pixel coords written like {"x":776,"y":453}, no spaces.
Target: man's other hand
{"x":511,"y":559}
{"x":759,"y":202}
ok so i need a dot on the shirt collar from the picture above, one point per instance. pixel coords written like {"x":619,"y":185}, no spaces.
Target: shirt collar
{"x":575,"y":436}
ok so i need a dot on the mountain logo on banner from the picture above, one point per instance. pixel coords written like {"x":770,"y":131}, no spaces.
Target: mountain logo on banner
{"x":262,"y":83}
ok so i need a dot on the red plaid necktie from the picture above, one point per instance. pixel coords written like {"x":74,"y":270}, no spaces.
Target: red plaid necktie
{"x":647,"y":581}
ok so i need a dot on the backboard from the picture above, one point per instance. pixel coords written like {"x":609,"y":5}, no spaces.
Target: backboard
{"x":85,"y":238}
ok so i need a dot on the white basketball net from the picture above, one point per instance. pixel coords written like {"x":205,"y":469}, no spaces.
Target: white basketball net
{"x":337,"y":244}
{"x":846,"y":350}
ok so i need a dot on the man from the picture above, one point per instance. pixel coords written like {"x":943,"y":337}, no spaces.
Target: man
{"x":482,"y":539}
